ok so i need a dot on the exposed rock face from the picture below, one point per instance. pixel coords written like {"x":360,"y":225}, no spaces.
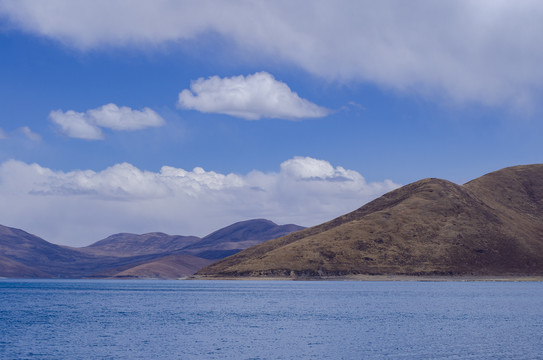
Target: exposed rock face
{"x":490,"y":226}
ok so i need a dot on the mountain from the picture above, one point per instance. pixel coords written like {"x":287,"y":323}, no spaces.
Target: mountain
{"x":202,"y":252}
{"x":239,"y":236}
{"x":26,"y":255}
{"x":492,"y":226}
{"x":13,"y":269}
{"x":126,"y":244}
{"x":23,"y":255}
{"x":167,"y":267}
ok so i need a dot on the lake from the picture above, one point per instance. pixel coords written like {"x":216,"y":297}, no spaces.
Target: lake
{"x":109,"y":319}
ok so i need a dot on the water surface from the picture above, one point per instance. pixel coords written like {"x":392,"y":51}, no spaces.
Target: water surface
{"x":94,"y":319}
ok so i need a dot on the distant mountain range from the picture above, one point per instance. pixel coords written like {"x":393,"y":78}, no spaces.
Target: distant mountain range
{"x":153,"y":255}
{"x":491,"y":226}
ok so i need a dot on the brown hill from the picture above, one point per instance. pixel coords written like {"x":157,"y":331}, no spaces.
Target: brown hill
{"x":168,"y":267}
{"x":490,"y":226}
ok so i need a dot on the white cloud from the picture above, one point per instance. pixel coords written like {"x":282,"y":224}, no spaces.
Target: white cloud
{"x":76,"y":125}
{"x":123,"y":118}
{"x":308,"y":168}
{"x":3,"y":134}
{"x":251,"y":97}
{"x":484,"y":51}
{"x":87,"y":125}
{"x":82,"y":206}
{"x":25,"y":130}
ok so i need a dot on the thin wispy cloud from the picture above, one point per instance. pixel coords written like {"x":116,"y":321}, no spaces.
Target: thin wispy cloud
{"x":249,"y":97}
{"x":483,"y":52}
{"x":88,"y":125}
{"x":25,"y":130}
{"x":83,"y":205}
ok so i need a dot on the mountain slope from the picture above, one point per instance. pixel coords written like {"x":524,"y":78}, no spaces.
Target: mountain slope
{"x":239,"y":236}
{"x":10,"y":268}
{"x":198,"y":253}
{"x":26,"y":255}
{"x":167,"y":267}
{"x":126,"y":255}
{"x":490,"y":226}
{"x":125,"y":244}
{"x":41,"y":257}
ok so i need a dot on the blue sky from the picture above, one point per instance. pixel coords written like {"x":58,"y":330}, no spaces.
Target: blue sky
{"x":182,"y":117}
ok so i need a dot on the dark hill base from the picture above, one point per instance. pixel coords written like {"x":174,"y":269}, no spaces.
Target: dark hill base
{"x":490,"y":226}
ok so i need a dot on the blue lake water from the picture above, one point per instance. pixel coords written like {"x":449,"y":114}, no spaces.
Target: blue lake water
{"x":93,"y":319}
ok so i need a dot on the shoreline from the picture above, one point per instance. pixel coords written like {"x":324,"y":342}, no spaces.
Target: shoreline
{"x":407,"y":278}
{"x":368,"y":278}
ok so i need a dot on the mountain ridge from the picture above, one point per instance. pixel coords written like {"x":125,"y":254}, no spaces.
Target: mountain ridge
{"x":122,"y":255}
{"x":240,"y":236}
{"x":128,"y":244}
{"x":489,"y":226}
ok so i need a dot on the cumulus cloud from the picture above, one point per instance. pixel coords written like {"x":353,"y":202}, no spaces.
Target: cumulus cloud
{"x":123,"y":118}
{"x":251,"y":97}
{"x":76,"y":125}
{"x":82,"y":206}
{"x":88,"y":125}
{"x":307,"y":168}
{"x":482,"y":51}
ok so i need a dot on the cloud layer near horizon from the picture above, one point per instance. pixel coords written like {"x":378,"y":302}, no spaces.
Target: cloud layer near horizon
{"x":88,"y":125}
{"x":82,"y":206}
{"x":484,"y":51}
{"x":249,"y":97}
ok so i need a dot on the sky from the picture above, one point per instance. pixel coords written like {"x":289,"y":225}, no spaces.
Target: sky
{"x":187,"y":116}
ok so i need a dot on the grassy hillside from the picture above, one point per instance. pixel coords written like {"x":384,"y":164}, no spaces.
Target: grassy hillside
{"x":490,"y":226}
